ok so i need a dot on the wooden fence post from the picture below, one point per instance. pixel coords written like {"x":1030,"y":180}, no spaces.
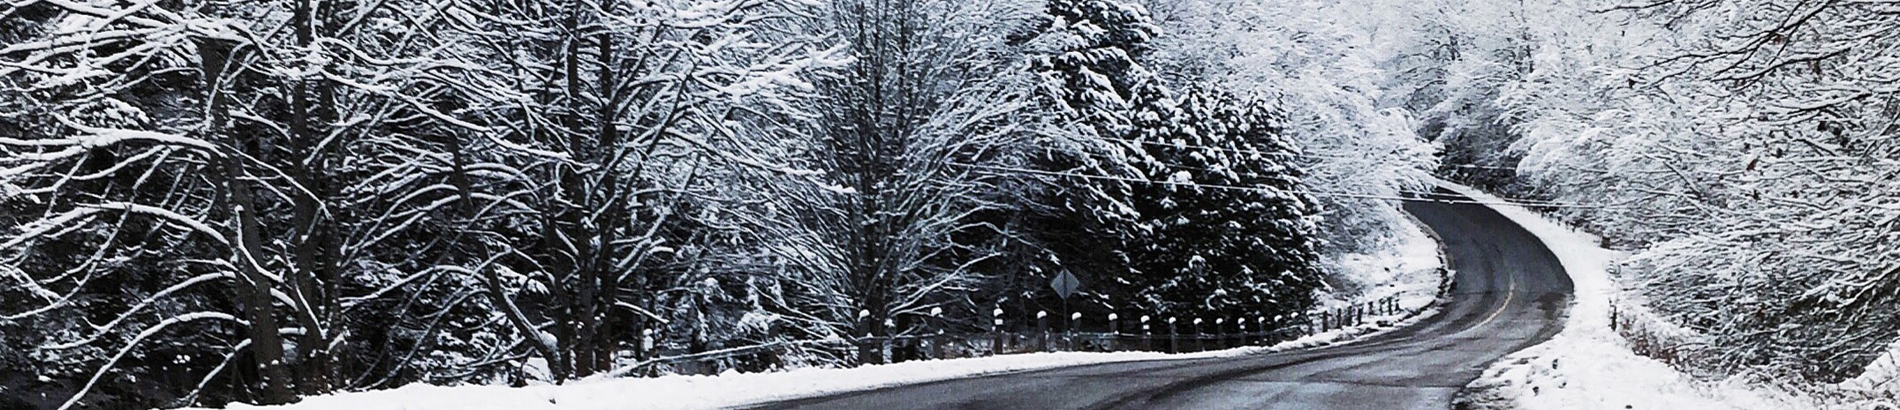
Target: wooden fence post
{"x":996,"y":330}
{"x":865,"y":350}
{"x":1147,"y":338}
{"x":1242,"y":322}
{"x":1200,"y":338}
{"x":1174,"y":337}
{"x":1042,"y":329}
{"x":1069,"y":331}
{"x":936,"y":342}
{"x":1220,"y":333}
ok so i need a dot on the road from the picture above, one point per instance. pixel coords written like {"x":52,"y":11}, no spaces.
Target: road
{"x":1509,"y":293}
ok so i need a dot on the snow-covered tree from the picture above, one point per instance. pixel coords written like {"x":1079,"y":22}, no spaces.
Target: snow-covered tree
{"x":1733,"y":145}
{"x":1122,"y":216}
{"x":1322,"y":64}
{"x":1077,"y":215}
{"x":1796,"y":274}
{"x":172,"y":190}
{"x":630,"y":106}
{"x":1228,"y":228}
{"x":901,"y":142}
{"x":363,"y":197}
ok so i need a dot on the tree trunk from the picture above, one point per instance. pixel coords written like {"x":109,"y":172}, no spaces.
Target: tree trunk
{"x":267,"y":347}
{"x":614,"y":215}
{"x":569,"y":311}
{"x":309,"y":227}
{"x":243,"y":235}
{"x":492,"y":280}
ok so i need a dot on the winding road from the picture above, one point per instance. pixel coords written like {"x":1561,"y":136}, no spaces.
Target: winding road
{"x":1509,"y":293}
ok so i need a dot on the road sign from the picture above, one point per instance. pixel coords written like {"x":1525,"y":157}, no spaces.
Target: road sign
{"x":1065,"y":284}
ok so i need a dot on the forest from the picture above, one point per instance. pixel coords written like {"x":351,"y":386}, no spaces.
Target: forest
{"x":1741,"y":151}
{"x":205,"y":202}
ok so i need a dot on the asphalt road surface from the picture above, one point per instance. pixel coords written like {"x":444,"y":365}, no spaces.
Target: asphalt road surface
{"x":1509,"y":293}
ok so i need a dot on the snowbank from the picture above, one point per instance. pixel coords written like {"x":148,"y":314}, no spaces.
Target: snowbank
{"x":706,"y":392}
{"x":742,"y":389}
{"x":1587,"y":365}
{"x":738,"y":389}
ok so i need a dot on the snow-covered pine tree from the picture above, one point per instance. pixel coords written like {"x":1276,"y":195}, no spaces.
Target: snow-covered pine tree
{"x":1322,"y":68}
{"x":1147,"y":244}
{"x":1086,"y":61}
{"x":1229,"y":230}
{"x":1094,"y":65}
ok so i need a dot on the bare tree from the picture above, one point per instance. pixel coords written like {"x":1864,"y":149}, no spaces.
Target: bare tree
{"x":873,"y":237}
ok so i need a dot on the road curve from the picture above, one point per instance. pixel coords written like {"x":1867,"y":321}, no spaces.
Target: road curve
{"x":1509,"y":293}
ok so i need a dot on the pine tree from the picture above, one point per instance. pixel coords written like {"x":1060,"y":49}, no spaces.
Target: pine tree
{"x":1094,"y":70}
{"x":1228,"y":230}
{"x":1086,"y":64}
{"x":1169,"y":244}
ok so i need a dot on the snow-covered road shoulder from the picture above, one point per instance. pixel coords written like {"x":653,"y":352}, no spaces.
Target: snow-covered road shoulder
{"x":745,"y":389}
{"x":1587,"y":365}
{"x":722,"y":391}
{"x":702,"y":392}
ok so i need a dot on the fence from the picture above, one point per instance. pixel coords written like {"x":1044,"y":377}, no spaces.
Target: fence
{"x":1146,"y":333}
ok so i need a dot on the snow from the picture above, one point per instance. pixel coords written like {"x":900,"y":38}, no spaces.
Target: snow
{"x":1882,"y":377}
{"x":1587,"y":365}
{"x":741,"y":389}
{"x":726,"y":390}
{"x":102,"y":137}
{"x":1407,"y":268}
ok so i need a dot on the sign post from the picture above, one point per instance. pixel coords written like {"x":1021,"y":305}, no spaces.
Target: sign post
{"x":1065,"y":285}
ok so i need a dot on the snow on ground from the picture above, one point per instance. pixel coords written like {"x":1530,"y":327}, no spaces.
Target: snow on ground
{"x":1876,"y":386}
{"x":1406,"y":268}
{"x":1883,"y":375}
{"x":707,"y":392}
{"x":741,"y":389}
{"x":1587,"y":365}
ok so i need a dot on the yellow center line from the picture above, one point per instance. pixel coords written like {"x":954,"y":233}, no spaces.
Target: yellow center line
{"x":1507,"y":304}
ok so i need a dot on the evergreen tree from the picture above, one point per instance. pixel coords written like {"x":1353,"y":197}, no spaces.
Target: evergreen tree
{"x":1094,"y":70}
{"x":1228,"y":230}
{"x":1173,"y":244}
{"x":1086,"y":64}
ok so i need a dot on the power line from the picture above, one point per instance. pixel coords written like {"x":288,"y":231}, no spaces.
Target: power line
{"x":1332,"y":156}
{"x":1420,"y":196}
{"x":1315,"y":193}
{"x":1237,"y":151}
